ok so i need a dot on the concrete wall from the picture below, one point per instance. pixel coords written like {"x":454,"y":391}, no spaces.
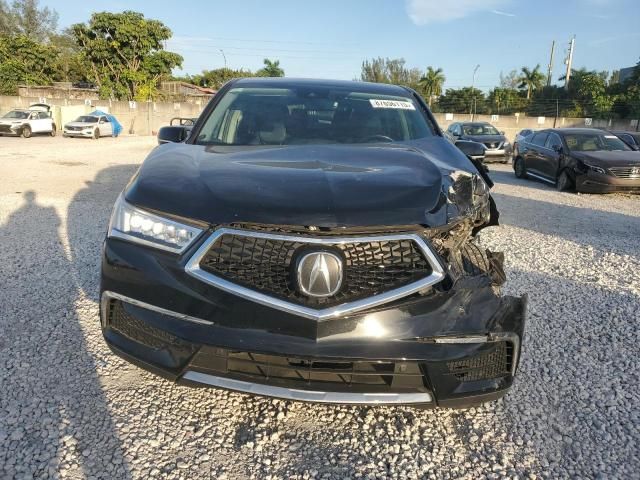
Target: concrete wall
{"x":146,"y":118}
{"x":136,"y":117}
{"x":511,"y":124}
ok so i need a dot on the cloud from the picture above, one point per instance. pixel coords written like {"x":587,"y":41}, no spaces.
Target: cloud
{"x":422,"y":12}
{"x":504,"y":14}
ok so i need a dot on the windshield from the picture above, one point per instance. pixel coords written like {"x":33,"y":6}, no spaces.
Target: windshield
{"x":480,"y":129}
{"x":86,"y":119}
{"x":17,"y":114}
{"x":594,"y":142}
{"x":311,"y":115}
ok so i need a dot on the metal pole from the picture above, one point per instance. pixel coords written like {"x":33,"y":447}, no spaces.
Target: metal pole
{"x":473,"y":82}
{"x":550,"y":67}
{"x":225,"y":58}
{"x":568,"y":61}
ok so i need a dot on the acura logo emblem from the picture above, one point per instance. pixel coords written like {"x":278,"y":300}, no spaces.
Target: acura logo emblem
{"x":635,"y":171}
{"x":320,"y":274}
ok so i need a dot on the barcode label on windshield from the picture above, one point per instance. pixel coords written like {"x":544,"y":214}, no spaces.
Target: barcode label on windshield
{"x":397,"y":104}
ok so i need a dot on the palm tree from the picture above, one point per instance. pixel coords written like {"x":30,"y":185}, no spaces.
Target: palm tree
{"x":271,"y":69}
{"x":531,"y":79}
{"x":431,"y":83}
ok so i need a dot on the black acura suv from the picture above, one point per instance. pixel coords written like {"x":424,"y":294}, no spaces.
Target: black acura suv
{"x":312,"y":240}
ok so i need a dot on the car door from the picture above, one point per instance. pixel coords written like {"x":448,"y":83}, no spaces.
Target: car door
{"x":106,"y":128}
{"x":550,"y":158}
{"x":533,"y":156}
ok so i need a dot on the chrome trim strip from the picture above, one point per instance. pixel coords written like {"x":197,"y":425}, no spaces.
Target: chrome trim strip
{"x":108,"y":295}
{"x":193,"y":268}
{"x":308,"y":395}
{"x":477,"y":339}
{"x":539,"y":177}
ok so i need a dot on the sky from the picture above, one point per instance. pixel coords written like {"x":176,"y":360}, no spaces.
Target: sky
{"x":331,"y":38}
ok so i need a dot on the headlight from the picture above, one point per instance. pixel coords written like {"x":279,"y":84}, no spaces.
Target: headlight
{"x":594,"y":168}
{"x":470,"y":194}
{"x":138,"y":226}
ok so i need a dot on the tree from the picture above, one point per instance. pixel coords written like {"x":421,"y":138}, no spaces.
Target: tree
{"x":25,"y":18}
{"x":271,"y":69}
{"x":531,"y":79}
{"x":510,"y":80}
{"x":386,"y":70}
{"x":23,"y":60}
{"x":458,"y":100}
{"x":431,"y":83}
{"x":124,"y":53}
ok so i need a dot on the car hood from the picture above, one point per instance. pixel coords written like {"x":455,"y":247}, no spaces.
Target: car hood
{"x":484,"y":138}
{"x":79,"y":124}
{"x":607,"y":159}
{"x":11,"y":121}
{"x":330,"y":185}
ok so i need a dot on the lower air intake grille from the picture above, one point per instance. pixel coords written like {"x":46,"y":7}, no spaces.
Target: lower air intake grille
{"x":141,"y":332}
{"x":494,"y":363}
{"x":327,"y":373}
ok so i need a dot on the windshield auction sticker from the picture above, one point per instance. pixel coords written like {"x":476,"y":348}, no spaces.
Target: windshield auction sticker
{"x":397,"y":104}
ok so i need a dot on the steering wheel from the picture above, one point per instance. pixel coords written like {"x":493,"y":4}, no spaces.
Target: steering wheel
{"x":382,"y":138}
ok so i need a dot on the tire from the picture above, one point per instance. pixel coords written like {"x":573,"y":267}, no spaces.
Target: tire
{"x":564,"y":182}
{"x":519,"y":168}
{"x":53,"y":131}
{"x":26,"y":131}
{"x":96,"y":134}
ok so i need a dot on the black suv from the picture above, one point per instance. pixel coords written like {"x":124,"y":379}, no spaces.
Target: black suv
{"x":497,"y":146}
{"x":312,"y":240}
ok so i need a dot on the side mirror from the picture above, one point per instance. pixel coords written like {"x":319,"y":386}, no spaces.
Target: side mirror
{"x":635,"y":147}
{"x":502,"y":132}
{"x":172,"y":134}
{"x":557,"y":148}
{"x":471,"y":149}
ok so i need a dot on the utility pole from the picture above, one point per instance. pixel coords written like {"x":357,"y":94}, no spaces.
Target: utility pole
{"x":568,"y":62}
{"x":550,"y":67}
{"x":473,"y":82}
{"x":225,"y":58}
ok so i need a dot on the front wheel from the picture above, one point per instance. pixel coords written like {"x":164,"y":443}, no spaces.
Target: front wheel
{"x":96,"y":134}
{"x":519,"y":168}
{"x":53,"y":131}
{"x":26,"y":131}
{"x":564,"y":182}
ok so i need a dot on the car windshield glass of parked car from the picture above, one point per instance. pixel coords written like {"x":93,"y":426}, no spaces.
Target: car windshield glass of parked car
{"x":287,"y":116}
{"x":87,"y":119}
{"x":594,"y":142}
{"x":17,"y":114}
{"x":480,"y":129}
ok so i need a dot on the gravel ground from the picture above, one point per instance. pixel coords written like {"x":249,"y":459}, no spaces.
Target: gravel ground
{"x":71,"y":409}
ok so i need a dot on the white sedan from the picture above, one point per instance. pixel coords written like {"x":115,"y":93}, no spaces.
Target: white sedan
{"x":90,"y":126}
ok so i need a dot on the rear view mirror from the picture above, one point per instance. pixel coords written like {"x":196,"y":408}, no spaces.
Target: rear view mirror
{"x":172,"y":134}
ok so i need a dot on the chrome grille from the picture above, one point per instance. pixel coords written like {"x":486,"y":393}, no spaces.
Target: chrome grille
{"x":493,"y":145}
{"x":267,"y":265}
{"x":626,"y":172}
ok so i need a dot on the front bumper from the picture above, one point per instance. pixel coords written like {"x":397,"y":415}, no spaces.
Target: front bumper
{"x":503,"y":154}
{"x":445,"y":348}
{"x":11,"y":130}
{"x":78,"y":133}
{"x":592,"y":182}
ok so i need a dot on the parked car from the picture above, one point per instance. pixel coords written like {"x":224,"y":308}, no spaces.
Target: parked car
{"x":312,"y":240}
{"x":34,"y":120}
{"x":519,"y":137}
{"x":89,"y":126}
{"x":498,"y":147}
{"x":630,"y":138}
{"x":587,"y":160}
